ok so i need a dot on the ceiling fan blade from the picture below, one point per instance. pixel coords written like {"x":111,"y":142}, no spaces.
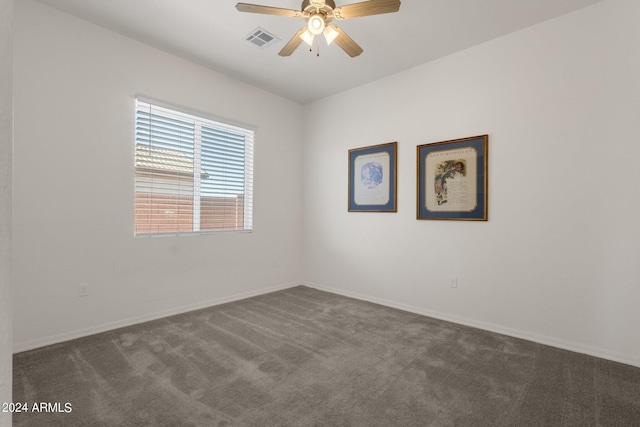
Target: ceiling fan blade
{"x":293,"y":44}
{"x":346,"y":43}
{"x":366,"y":8}
{"x":268,"y":10}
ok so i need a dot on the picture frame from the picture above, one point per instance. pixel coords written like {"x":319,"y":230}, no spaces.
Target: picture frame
{"x":452,"y":179}
{"x":373,"y":178}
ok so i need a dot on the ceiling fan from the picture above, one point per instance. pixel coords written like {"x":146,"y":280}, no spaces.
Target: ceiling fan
{"x":319,"y":14}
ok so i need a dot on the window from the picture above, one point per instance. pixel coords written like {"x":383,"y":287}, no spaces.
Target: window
{"x":193,"y":174}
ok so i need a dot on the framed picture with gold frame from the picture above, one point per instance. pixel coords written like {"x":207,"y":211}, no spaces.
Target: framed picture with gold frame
{"x":452,"y":179}
{"x":373,"y":178}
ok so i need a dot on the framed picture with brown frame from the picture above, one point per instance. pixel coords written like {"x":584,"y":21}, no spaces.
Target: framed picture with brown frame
{"x":373,"y":178}
{"x":452,"y":179}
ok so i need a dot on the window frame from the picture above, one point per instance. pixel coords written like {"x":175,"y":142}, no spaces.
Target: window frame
{"x":200,"y":120}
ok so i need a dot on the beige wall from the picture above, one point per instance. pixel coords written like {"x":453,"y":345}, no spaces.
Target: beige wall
{"x":75,"y":90}
{"x":6,"y":172}
{"x":557,"y":262}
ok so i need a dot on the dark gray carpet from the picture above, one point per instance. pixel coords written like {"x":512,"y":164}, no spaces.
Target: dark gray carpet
{"x":302,"y":357}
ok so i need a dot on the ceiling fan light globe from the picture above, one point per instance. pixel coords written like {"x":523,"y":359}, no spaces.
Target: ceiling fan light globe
{"x":316,"y":24}
{"x":330,"y":34}
{"x":307,"y":37}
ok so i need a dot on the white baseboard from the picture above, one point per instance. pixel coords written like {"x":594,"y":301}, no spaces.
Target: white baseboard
{"x":541,"y":339}
{"x":79,"y":333}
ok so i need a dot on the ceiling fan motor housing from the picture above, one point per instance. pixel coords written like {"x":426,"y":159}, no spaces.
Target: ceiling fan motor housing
{"x":318,"y":3}
{"x":315,"y":7}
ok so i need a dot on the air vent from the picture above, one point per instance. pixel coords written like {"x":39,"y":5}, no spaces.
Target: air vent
{"x":261,"y":38}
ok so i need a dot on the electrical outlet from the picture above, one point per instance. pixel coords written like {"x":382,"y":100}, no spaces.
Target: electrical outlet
{"x":453,"y":281}
{"x":83,"y":290}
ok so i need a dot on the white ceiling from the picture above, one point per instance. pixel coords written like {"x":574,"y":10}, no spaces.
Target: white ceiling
{"x":212,"y":33}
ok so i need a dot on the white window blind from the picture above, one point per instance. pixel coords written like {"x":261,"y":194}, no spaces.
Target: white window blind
{"x":193,"y":174}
